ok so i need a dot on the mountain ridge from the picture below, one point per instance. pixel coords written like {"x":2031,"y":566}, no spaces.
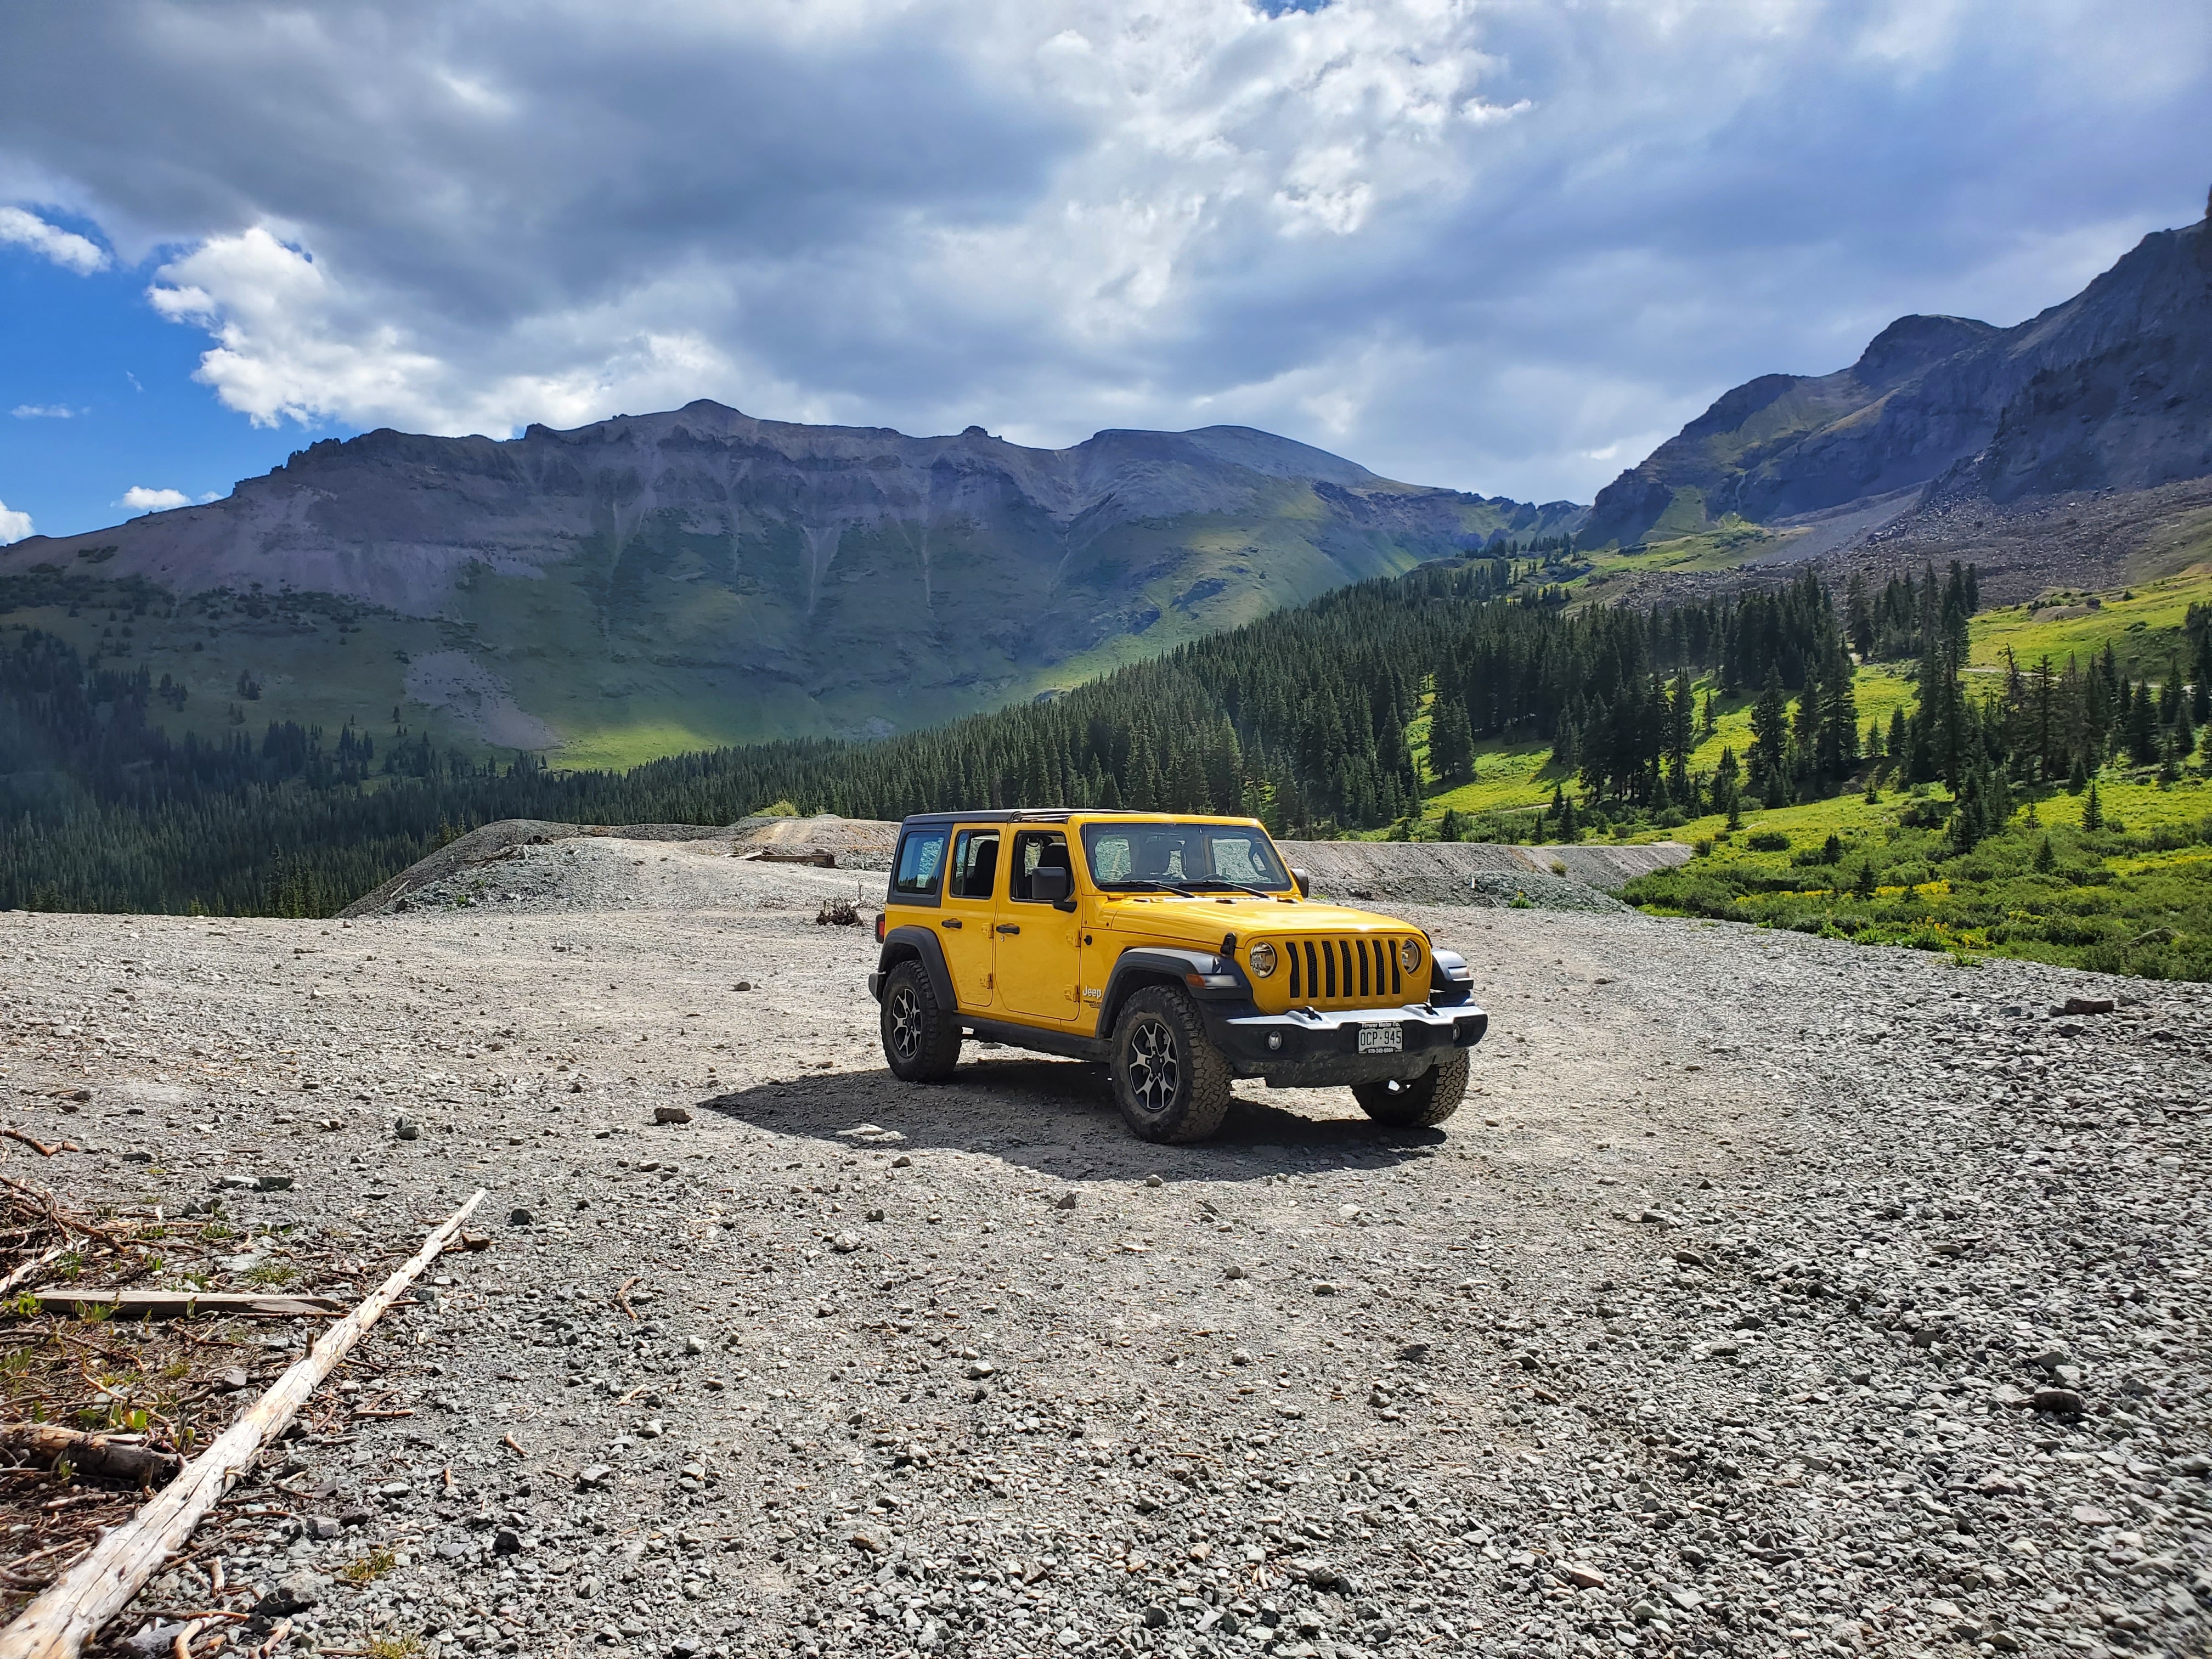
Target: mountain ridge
{"x":701,"y":575}
{"x":2110,"y":389}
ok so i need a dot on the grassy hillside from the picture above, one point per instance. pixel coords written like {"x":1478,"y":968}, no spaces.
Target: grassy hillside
{"x":1512,"y":777}
{"x":671,"y":642}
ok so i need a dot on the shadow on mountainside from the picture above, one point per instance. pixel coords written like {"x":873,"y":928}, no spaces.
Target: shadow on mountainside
{"x":1058,"y":1118}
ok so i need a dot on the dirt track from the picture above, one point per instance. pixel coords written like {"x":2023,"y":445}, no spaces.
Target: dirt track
{"x":1710,"y":1324}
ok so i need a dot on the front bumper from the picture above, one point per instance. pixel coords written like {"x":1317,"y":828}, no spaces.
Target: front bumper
{"x":1310,"y":1049}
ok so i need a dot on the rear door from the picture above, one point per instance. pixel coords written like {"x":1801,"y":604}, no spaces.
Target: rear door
{"x":1039,"y":948}
{"x":965,"y":917}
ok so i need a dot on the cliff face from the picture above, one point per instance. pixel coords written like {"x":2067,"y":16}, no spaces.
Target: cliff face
{"x":2112,"y":389}
{"x":732,"y":577}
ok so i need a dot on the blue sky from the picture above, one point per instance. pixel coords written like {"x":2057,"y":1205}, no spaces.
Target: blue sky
{"x":97,"y":398}
{"x":1501,"y":244}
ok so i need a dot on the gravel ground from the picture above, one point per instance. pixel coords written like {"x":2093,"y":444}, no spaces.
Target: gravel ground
{"x":1770,"y":1295}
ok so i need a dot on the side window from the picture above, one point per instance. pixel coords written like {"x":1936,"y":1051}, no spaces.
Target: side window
{"x":1033,"y":847}
{"x":921,"y":862}
{"x":974,"y":864}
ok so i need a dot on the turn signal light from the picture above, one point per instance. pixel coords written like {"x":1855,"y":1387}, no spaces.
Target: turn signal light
{"x":879,"y":927}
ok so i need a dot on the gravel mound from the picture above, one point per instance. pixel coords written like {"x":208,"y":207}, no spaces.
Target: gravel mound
{"x":541,"y":866}
{"x":1769,"y":1295}
{"x":497,"y":864}
{"x":1576,"y":878}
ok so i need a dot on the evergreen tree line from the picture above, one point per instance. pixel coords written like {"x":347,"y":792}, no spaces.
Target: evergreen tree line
{"x":1300,"y":718}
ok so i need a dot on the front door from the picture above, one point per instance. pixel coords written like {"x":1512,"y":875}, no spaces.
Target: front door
{"x":1039,"y":946}
{"x":963,"y":920}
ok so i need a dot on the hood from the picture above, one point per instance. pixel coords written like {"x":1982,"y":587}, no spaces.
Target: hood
{"x":1204,"y":920}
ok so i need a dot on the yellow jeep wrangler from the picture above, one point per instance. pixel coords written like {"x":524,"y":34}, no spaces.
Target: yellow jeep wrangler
{"x":1178,"y":950}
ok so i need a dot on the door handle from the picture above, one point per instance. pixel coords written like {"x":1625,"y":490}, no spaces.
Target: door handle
{"x":950,"y":921}
{"x":1009,"y":928}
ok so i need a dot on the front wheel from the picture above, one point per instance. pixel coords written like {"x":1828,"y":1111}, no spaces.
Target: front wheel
{"x":921,"y":1040}
{"x":1424,"y":1103}
{"x":1170,"y":1082}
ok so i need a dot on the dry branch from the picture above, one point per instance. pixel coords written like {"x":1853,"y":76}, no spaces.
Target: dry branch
{"x":185,"y":1304}
{"x":28,"y":1268}
{"x":59,"y":1219}
{"x":94,"y":1453}
{"x":58,"y":1622}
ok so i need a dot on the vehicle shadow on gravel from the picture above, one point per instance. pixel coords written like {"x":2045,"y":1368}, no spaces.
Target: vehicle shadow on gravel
{"x":1058,"y":1118}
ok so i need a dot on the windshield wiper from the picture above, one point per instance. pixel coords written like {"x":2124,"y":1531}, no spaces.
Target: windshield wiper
{"x":1234,"y":887}
{"x":1146,"y":887}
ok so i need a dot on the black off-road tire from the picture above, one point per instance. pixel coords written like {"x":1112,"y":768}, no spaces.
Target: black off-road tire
{"x":1426,"y":1102}
{"x":1171,"y":1083}
{"x":921,"y":1039}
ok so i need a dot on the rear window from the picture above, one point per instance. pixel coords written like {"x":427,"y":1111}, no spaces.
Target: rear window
{"x":921,"y":863}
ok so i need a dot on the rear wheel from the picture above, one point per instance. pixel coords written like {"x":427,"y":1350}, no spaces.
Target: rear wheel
{"x":1424,"y":1103}
{"x":921,"y":1040}
{"x":1170,"y":1082}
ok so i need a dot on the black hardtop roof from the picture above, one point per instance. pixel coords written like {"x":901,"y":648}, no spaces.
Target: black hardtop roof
{"x":1049,"y":815}
{"x":1022,"y":815}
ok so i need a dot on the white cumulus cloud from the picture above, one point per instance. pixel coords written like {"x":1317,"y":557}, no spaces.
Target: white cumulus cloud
{"x":139,"y":499}
{"x":1467,"y":242}
{"x":43,"y":412}
{"x":14,"y":525}
{"x":65,"y":247}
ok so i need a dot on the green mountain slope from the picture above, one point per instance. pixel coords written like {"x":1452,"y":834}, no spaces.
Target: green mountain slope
{"x":651,"y":585}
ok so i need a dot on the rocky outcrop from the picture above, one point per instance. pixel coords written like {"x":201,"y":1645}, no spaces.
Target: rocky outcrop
{"x":2110,"y":390}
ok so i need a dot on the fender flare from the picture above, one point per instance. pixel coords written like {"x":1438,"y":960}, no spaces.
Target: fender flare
{"x":1451,"y":981}
{"x":923,"y":945}
{"x":1148,"y":965}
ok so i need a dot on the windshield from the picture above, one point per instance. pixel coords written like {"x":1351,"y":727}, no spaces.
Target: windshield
{"x":1135,"y":857}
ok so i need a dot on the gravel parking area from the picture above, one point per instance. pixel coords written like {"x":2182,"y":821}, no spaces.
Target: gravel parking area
{"x":1770,"y":1295}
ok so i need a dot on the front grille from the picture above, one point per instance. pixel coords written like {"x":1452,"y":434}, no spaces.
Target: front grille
{"x":1352,"y":970}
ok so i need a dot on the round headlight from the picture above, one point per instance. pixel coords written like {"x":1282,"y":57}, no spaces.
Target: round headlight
{"x":1409,"y":954}
{"x":1263,"y":958}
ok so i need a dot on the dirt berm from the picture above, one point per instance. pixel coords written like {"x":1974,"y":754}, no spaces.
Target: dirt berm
{"x":850,"y":843}
{"x":1406,"y":872}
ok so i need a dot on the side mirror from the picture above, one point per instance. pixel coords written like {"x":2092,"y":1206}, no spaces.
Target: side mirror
{"x":1048,"y":884}
{"x":1305,"y":882}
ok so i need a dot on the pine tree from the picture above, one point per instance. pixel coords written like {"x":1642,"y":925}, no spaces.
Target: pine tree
{"x":2093,"y":810}
{"x":1451,"y":741}
{"x":2142,"y":726}
{"x":1770,"y":741}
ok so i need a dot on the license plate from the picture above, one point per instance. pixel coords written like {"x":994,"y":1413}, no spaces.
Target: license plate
{"x":1381,"y":1039}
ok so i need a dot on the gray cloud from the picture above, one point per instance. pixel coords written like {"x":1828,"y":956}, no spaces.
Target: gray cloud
{"x":1506,"y":246}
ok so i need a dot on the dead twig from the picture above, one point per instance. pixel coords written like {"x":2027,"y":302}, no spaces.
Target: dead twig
{"x":60,"y":1219}
{"x":95,"y":1454}
{"x":28,"y":1268}
{"x":622,"y":1297}
{"x":35,"y":1144}
{"x":187,"y":1304}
